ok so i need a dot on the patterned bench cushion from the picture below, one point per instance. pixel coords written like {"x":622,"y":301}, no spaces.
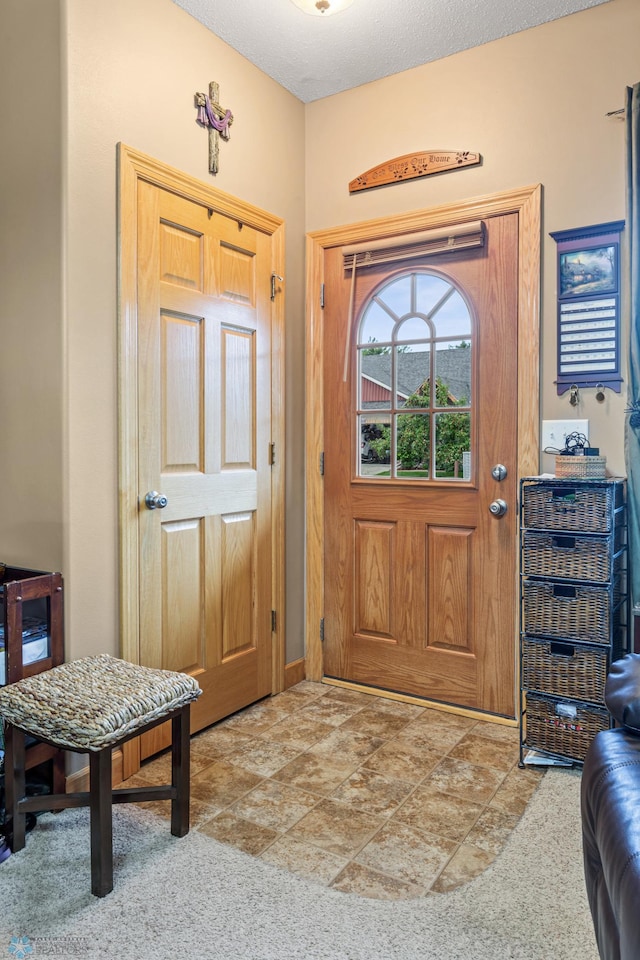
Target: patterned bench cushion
{"x":90,"y":703}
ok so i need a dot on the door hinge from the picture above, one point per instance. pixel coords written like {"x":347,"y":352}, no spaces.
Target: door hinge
{"x":322,"y":630}
{"x":273,"y":621}
{"x":322,"y":296}
{"x":274,"y":277}
{"x":321,"y":464}
{"x":272,"y":454}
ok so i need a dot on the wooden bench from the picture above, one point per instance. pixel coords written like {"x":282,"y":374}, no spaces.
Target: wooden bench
{"x":91,"y":706}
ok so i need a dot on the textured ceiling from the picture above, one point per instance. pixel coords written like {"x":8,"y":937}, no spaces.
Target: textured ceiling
{"x":315,"y":57}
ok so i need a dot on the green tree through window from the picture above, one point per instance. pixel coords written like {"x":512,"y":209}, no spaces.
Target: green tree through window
{"x":452,"y":432}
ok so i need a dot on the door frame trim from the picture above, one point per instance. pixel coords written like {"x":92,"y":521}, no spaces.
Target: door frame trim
{"x":132,"y":167}
{"x":526,"y":202}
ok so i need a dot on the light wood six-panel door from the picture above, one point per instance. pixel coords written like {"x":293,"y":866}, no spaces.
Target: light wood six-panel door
{"x":204,"y":436}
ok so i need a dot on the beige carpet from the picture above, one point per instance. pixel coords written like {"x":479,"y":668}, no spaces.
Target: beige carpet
{"x":198,"y":898}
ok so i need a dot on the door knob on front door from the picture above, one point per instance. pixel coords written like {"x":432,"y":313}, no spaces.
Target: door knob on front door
{"x":155,"y":500}
{"x":498,"y":508}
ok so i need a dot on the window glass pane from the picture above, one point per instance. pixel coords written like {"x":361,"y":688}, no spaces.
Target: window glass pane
{"x":453,"y":319}
{"x":376,"y":325}
{"x":452,"y":441}
{"x":413,"y":329}
{"x":375,"y":446}
{"x":375,"y":380}
{"x":453,"y":374}
{"x":413,"y":446}
{"x":397,"y":296}
{"x":412,"y":373}
{"x":429,"y":291}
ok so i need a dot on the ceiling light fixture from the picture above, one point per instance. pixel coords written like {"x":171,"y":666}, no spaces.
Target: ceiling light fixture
{"x":322,"y":8}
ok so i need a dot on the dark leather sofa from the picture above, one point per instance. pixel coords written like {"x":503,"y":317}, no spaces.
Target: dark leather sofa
{"x":610,"y":805}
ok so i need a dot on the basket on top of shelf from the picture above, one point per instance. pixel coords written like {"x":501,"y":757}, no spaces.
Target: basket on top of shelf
{"x":584,"y":468}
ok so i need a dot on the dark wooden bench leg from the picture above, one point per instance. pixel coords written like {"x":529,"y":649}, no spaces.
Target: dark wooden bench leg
{"x":101,"y":822}
{"x":59,"y":774}
{"x":180,"y":771}
{"x":14,"y":785}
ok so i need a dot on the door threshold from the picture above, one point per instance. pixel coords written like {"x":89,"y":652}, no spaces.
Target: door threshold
{"x":421,"y":702}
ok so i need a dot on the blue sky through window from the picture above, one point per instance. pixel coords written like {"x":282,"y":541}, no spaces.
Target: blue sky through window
{"x":418,"y":293}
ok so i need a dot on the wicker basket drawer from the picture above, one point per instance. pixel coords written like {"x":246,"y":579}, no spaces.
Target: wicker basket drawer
{"x":565,"y":669}
{"x":563,"y":728}
{"x":568,"y":612}
{"x":583,"y":507}
{"x":570,"y":557}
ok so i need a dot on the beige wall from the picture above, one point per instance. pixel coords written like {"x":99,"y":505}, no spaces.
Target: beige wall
{"x":133,"y":69}
{"x":533,"y":105}
{"x":31,"y":364}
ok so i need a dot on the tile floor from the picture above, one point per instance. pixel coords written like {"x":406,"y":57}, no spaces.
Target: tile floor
{"x":368,"y":796}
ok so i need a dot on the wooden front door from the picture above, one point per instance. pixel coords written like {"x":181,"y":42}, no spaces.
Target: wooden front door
{"x":419,"y":573}
{"x":203,"y":450}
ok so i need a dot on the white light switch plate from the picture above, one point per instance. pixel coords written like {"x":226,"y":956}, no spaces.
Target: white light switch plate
{"x":555,"y":432}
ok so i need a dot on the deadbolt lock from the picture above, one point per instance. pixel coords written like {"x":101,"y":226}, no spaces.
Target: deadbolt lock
{"x":499,"y":472}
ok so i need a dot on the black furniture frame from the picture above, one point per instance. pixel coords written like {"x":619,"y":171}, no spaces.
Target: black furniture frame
{"x":100,"y":796}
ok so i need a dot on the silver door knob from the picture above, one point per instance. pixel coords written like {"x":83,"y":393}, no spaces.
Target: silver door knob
{"x":499,"y":472}
{"x":155,"y":500}
{"x":498,"y":508}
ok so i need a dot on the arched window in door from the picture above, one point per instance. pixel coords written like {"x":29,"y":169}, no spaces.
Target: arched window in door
{"x":415,"y":381}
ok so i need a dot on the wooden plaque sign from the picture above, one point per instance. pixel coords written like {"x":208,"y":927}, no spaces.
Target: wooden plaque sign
{"x":414,"y":165}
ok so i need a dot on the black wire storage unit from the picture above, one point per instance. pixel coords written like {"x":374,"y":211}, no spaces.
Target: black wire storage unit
{"x":573,"y":609}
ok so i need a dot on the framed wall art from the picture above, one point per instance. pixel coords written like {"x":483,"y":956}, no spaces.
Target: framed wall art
{"x":589,"y":306}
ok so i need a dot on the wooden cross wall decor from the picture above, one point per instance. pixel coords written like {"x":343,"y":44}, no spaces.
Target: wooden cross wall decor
{"x":217,"y":119}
